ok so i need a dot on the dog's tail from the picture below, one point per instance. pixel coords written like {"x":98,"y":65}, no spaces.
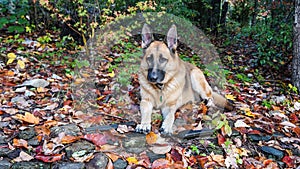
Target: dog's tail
{"x":222,"y":102}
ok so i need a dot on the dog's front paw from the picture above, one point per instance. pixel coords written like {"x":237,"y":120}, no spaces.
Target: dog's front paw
{"x":209,"y":102}
{"x":143,"y":128}
{"x":166,"y":129}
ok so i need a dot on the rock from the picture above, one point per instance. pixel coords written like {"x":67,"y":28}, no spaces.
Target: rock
{"x":3,"y":140}
{"x":99,"y":161}
{"x":69,"y":129}
{"x":35,"y":83}
{"x":29,"y":93}
{"x":135,"y":143}
{"x":68,"y":165}
{"x":152,"y":156}
{"x":5,"y":151}
{"x":4,"y":164}
{"x":272,"y":151}
{"x":20,"y":101}
{"x":33,"y":141}
{"x":79,"y":146}
{"x":54,"y":76}
{"x":27,"y":134}
{"x":30,"y":165}
{"x":14,"y":153}
{"x":20,"y":90}
{"x":120,"y":164}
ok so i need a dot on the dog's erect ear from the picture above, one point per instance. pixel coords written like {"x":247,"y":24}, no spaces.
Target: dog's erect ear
{"x":147,"y":36}
{"x":172,"y":38}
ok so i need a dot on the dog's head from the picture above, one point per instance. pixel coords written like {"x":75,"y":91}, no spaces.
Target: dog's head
{"x":160,"y":59}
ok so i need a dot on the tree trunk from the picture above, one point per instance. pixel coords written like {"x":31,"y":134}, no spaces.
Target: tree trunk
{"x":296,"y":58}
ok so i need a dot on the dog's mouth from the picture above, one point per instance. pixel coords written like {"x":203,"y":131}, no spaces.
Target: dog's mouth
{"x":159,"y":85}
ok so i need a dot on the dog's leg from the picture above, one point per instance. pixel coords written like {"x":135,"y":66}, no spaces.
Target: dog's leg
{"x":201,"y":86}
{"x":146,"y":111}
{"x":169,"y":117}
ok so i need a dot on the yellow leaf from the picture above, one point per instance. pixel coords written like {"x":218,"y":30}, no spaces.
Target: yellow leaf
{"x":11,"y":57}
{"x":112,"y":74}
{"x":79,"y":81}
{"x":290,"y":85}
{"x":230,"y":97}
{"x":9,"y":61}
{"x":132,"y":160}
{"x":21,"y":64}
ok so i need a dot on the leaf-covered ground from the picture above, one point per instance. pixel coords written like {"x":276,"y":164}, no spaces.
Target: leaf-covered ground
{"x":51,"y":116}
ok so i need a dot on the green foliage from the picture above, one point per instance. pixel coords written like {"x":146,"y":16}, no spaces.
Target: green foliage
{"x":44,"y":39}
{"x":268,"y":103}
{"x":223,"y":122}
{"x":13,"y":15}
{"x":127,"y":63}
{"x":242,"y":77}
{"x":195,"y":149}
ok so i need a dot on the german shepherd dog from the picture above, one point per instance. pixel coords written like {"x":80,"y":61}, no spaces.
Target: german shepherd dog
{"x":167,"y":82}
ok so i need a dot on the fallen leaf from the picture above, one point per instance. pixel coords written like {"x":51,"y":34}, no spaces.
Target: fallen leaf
{"x":114,"y":157}
{"x":112,"y":74}
{"x":35,"y":83}
{"x":151,"y":138}
{"x":160,"y":163}
{"x":97,"y":138}
{"x":20,"y":143}
{"x":28,"y":117}
{"x":288,"y":124}
{"x":240,"y":123}
{"x":69,"y":139}
{"x":21,"y":64}
{"x":160,"y":149}
{"x":109,"y":165}
{"x":230,"y":97}
{"x":11,"y":57}
{"x":23,"y":157}
{"x":297,"y":131}
{"x":49,"y":158}
{"x":10,"y":73}
{"x":82,"y":156}
{"x":221,"y":139}
{"x":288,"y":161}
{"x":132,"y":160}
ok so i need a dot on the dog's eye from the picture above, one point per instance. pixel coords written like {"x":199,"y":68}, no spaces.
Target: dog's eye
{"x":162,"y":59}
{"x":150,"y":58}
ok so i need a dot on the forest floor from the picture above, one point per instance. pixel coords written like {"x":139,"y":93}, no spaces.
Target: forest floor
{"x":50,"y":117}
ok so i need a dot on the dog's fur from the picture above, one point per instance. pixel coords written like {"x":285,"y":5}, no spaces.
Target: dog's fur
{"x":167,"y":82}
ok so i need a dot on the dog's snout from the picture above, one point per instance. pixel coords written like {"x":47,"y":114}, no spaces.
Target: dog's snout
{"x":152,"y":75}
{"x":155,"y":75}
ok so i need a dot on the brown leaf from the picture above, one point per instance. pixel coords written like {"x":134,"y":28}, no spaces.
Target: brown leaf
{"x":114,"y":157}
{"x":110,"y":165}
{"x":221,"y":139}
{"x":288,"y":161}
{"x":97,"y":138}
{"x":160,"y":164}
{"x":70,"y":139}
{"x":42,"y":130}
{"x":28,"y":117}
{"x":23,"y":157}
{"x":20,"y":143}
{"x":151,"y":138}
{"x":297,"y":131}
{"x":49,"y":158}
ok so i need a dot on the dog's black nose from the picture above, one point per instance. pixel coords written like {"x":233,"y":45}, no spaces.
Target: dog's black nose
{"x":153,"y":76}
